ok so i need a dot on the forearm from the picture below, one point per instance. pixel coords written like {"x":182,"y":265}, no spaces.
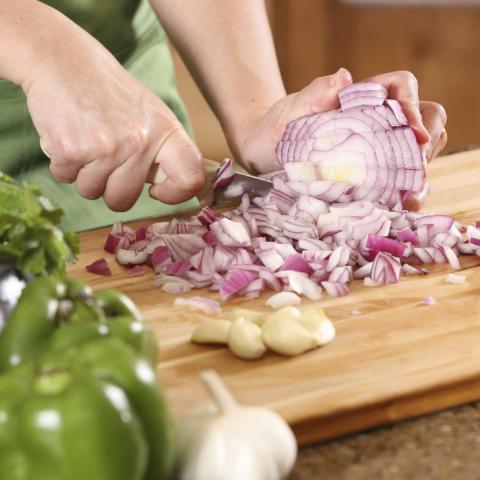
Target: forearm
{"x":33,"y":35}
{"x":228,"y":47}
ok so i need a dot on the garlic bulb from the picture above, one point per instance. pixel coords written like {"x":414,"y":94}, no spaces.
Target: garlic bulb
{"x":213,"y":331}
{"x":245,"y":339}
{"x":231,"y":442}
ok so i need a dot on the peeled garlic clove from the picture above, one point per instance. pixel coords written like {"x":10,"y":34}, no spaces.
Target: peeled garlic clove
{"x":213,"y":331}
{"x":287,"y":337}
{"x":245,"y":339}
{"x":284,"y":312}
{"x":250,"y":315}
{"x":283,"y":299}
{"x":316,"y":322}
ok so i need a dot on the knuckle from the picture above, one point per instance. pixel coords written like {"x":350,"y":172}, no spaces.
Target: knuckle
{"x":441,"y":112}
{"x":409,"y":77}
{"x":101,"y":146}
{"x":192,"y":181}
{"x":136,"y":142}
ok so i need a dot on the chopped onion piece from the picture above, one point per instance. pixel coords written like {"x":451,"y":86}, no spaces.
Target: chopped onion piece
{"x":457,"y":279}
{"x":205,"y":304}
{"x":99,"y":267}
{"x":302,"y":285}
{"x":136,"y":271}
{"x":429,"y":300}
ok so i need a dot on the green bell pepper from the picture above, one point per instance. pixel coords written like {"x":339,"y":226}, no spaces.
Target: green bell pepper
{"x":60,"y":312}
{"x":79,"y":399}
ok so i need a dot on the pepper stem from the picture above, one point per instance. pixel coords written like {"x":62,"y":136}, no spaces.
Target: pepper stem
{"x":218,"y":391}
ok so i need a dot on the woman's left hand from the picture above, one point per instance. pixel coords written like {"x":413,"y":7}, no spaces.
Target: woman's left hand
{"x":256,"y":148}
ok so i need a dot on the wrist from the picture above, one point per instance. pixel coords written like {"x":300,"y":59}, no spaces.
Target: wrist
{"x":33,"y":38}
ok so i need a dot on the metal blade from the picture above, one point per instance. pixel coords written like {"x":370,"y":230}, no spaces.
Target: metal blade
{"x":241,"y":183}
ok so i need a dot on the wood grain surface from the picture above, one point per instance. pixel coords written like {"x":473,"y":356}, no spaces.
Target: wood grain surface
{"x":397,"y":359}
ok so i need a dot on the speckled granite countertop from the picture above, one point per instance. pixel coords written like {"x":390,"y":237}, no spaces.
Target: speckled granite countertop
{"x":442,"y":446}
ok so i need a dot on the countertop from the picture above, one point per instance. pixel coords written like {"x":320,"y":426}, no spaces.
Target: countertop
{"x":441,"y":446}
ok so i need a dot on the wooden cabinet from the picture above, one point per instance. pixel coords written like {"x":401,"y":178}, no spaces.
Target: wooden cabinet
{"x":439,"y":41}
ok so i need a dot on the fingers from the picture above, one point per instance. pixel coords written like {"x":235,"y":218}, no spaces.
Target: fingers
{"x":131,"y":154}
{"x":182,"y":163}
{"x":434,"y":119}
{"x":417,"y":200}
{"x":319,"y":96}
{"x":403,"y":86}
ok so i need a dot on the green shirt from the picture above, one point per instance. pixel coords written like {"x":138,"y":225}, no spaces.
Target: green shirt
{"x":131,"y":31}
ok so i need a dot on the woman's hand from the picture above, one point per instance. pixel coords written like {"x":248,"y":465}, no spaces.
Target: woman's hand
{"x":102,"y":128}
{"x":256,"y":149}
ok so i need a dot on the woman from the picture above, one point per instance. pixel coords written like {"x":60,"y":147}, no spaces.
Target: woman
{"x":94,"y":80}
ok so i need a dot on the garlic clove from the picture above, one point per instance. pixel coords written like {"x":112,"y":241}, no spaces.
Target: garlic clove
{"x":289,"y":312}
{"x":212,"y":331}
{"x":250,"y":315}
{"x":287,"y":337}
{"x":245,"y":339}
{"x":316,"y":322}
{"x":283,"y":299}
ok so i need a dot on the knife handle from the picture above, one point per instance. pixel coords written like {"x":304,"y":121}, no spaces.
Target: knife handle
{"x":205,"y":196}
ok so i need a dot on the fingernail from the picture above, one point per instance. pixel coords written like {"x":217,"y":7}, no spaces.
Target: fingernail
{"x":336,"y":79}
{"x":444,"y":137}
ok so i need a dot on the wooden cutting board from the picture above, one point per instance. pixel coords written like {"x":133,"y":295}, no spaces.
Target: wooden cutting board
{"x":397,"y":359}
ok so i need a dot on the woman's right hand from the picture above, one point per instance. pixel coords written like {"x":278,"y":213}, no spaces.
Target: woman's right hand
{"x":102,"y":128}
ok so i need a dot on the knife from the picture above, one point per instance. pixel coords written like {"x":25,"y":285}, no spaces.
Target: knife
{"x":241,"y":183}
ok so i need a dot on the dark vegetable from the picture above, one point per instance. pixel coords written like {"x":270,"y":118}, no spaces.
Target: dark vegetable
{"x":29,"y":234}
{"x":12,"y":282}
{"x":78,"y":393}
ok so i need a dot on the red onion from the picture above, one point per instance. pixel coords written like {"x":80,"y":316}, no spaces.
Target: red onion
{"x":136,"y":271}
{"x":334,"y":214}
{"x":99,"y":267}
{"x":224,"y":174}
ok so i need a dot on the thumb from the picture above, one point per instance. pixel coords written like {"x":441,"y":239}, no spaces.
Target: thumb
{"x":319,"y":96}
{"x":180,"y":169}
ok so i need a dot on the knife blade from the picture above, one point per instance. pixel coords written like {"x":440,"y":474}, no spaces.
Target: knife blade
{"x":242,"y":182}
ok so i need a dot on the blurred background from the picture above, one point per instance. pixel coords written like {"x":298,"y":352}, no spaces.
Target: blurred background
{"x":438,"y":40}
